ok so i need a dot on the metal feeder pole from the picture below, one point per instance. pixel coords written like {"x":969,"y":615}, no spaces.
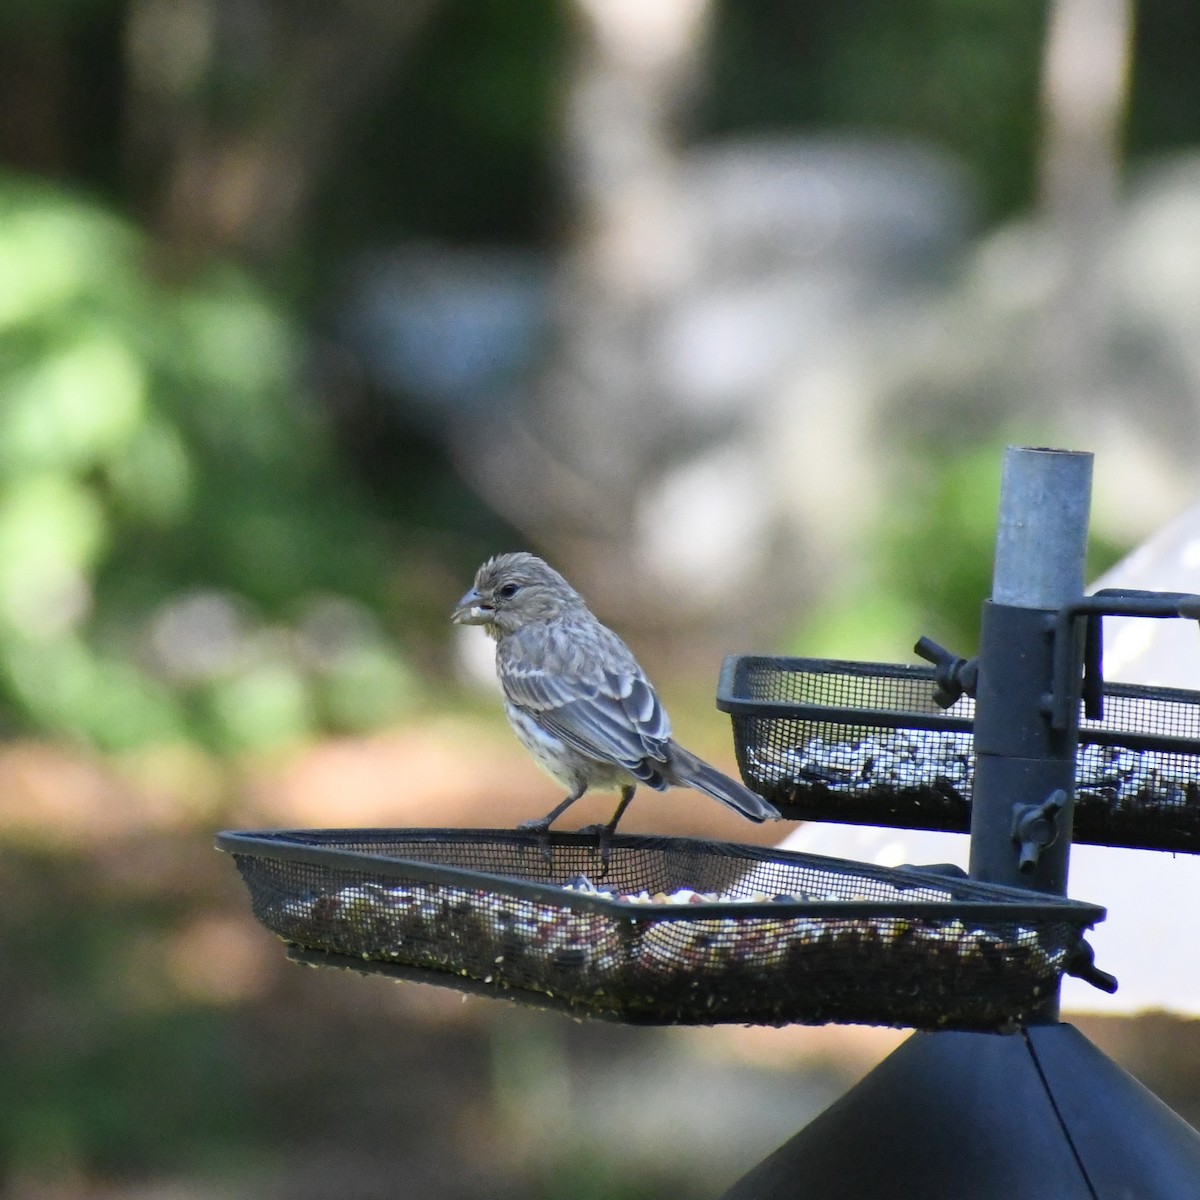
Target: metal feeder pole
{"x":1024,"y":768}
{"x":1042,"y":1112}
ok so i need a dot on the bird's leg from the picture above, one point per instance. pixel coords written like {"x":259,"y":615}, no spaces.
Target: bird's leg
{"x":604,"y":833}
{"x":541,"y":825}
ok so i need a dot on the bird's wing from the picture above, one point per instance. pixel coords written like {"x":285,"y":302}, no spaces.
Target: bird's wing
{"x":601,"y":705}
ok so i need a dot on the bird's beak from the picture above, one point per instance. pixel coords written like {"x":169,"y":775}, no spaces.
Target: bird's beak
{"x":471,"y":610}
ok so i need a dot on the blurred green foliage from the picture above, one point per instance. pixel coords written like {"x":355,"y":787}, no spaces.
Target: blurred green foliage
{"x":157,"y":449}
{"x":462,"y":146}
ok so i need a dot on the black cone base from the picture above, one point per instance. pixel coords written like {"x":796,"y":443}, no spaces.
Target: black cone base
{"x":1039,"y":1114}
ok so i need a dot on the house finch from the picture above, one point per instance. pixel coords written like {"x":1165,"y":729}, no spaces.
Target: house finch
{"x":577,"y":698}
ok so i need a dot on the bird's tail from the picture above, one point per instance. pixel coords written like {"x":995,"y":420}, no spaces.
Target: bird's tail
{"x":694,"y":772}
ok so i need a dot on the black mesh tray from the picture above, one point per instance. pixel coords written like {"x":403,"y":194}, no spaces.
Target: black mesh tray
{"x":487,"y":910}
{"x":865,"y":743}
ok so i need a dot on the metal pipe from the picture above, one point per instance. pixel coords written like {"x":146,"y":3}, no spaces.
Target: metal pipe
{"x":1022,"y":802}
{"x":1041,"y":535}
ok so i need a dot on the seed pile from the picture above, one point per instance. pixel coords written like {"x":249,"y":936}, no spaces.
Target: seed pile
{"x":928,"y":776}
{"x":631,"y":959}
{"x":895,"y":760}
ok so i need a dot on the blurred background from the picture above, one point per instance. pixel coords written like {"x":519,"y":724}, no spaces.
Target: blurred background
{"x":306,"y":308}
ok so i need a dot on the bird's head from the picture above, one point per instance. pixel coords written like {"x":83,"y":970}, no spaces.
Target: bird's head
{"x":515,"y":590}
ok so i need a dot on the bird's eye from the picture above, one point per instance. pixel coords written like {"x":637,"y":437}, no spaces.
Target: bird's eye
{"x":507,"y":592}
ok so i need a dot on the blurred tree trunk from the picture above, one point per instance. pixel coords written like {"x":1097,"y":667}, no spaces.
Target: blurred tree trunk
{"x":573,"y":469}
{"x":33,"y":73}
{"x":236,"y":110}
{"x":1085,"y":87}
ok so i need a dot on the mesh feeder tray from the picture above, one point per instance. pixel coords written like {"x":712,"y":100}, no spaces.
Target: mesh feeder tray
{"x":672,"y":931}
{"x":865,"y":743}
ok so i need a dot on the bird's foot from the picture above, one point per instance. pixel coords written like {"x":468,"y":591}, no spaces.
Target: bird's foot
{"x":540,"y":826}
{"x":604,"y":836}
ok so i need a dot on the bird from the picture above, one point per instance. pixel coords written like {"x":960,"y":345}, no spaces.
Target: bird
{"x":576,"y":697}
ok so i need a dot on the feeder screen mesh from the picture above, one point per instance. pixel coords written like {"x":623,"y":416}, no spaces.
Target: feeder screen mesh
{"x":865,"y":743}
{"x":670,"y":930}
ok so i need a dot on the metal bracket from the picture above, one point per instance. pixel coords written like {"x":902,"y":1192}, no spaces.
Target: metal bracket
{"x":1035,"y":826}
{"x":1059,"y":704}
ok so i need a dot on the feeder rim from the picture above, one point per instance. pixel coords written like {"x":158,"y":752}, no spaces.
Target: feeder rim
{"x":1091,"y":733}
{"x":1007,"y":904}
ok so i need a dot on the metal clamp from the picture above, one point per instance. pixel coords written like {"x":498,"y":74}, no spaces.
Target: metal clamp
{"x":1082,"y":965}
{"x":954,"y":677}
{"x":1035,"y":826}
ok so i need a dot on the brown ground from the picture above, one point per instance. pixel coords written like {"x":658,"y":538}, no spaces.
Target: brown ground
{"x":157,"y":1043}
